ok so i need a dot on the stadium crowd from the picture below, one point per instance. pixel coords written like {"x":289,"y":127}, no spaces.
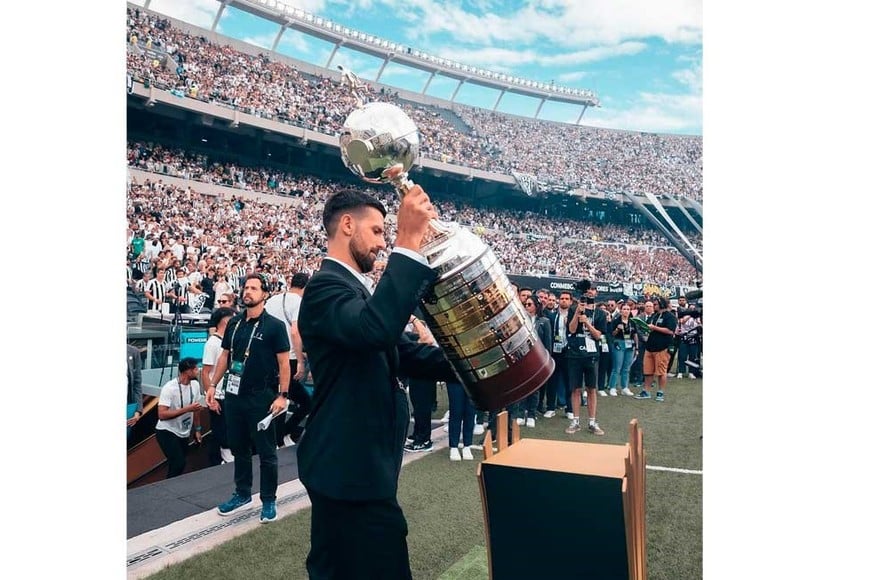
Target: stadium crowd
{"x":598,"y":160}
{"x":526,"y":242}
{"x":284,"y":238}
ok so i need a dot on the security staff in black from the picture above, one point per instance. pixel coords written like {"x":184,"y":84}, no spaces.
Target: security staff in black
{"x":256,"y":357}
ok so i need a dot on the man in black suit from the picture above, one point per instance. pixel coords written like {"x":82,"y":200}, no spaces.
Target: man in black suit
{"x":351,"y":452}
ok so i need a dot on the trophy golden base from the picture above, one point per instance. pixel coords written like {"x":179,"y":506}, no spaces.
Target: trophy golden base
{"x":514,"y":384}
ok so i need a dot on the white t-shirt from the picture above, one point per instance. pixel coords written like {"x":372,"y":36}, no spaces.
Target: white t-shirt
{"x":210,"y":356}
{"x":285,"y":307}
{"x":176,"y":396}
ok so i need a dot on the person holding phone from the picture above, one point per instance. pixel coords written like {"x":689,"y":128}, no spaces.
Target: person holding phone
{"x":623,"y":333}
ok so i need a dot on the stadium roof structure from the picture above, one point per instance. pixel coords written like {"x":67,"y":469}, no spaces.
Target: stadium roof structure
{"x":339,"y":35}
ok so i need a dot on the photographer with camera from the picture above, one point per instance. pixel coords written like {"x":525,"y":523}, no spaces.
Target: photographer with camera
{"x":581,"y":355}
{"x":675,"y":348}
{"x":689,"y":331}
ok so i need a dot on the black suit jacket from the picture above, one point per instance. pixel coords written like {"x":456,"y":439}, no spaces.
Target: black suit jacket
{"x":354,"y":437}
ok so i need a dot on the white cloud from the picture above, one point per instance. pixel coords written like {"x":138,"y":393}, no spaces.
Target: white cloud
{"x":261,"y":40}
{"x":489,"y":57}
{"x":571,"y":76}
{"x":594,"y":54}
{"x":653,"y":112}
{"x":295,"y":41}
{"x":196,"y":12}
{"x":691,"y":77}
{"x":565,"y":23}
{"x":494,"y":58}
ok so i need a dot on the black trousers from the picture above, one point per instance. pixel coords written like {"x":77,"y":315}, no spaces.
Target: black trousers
{"x":636,"y":372}
{"x":243,"y":412}
{"x":175,"y":450}
{"x":557,"y":382}
{"x":422,"y":395}
{"x":605,"y":365}
{"x":302,"y":399}
{"x":218,"y":436}
{"x":359,"y":540}
{"x":673,"y":350}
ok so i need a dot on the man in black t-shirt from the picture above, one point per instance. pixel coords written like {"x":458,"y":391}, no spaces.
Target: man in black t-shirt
{"x":581,"y":356}
{"x":662,"y":327}
{"x":256,"y":356}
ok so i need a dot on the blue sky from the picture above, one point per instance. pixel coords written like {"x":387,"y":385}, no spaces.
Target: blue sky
{"x":643,"y":59}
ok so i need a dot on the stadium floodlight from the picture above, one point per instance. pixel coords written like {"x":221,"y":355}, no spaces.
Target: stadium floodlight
{"x":318,"y":21}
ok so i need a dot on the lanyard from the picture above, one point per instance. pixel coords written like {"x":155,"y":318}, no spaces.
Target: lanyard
{"x":250,"y":338}
{"x":181,"y":393}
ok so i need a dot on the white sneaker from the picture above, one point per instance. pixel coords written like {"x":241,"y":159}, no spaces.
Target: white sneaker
{"x":530,"y":422}
{"x":521,"y":421}
{"x":454,"y":454}
{"x":679,"y":375}
{"x":446,"y":417}
{"x":446,"y":428}
{"x":627,"y":392}
{"x":602,"y":393}
{"x":671,"y":375}
{"x":569,"y":415}
{"x":692,"y":377}
{"x":478,"y":429}
{"x":549,"y":414}
{"x":613,"y":392}
{"x":466,"y":454}
{"x":227,"y":455}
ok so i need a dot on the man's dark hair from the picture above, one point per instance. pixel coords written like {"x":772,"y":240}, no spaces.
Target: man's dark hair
{"x":219,"y":314}
{"x":299,"y":280}
{"x":264,"y":281}
{"x":344,"y":201}
{"x":186,"y":364}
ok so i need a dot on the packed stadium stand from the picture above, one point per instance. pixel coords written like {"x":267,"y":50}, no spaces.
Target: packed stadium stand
{"x":269,"y":86}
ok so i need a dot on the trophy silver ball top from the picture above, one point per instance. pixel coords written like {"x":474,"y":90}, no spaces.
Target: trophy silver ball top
{"x":375,"y":139}
{"x":379,"y":142}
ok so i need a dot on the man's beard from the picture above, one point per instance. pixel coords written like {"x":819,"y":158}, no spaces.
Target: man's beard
{"x":363,"y":258}
{"x":249,"y":301}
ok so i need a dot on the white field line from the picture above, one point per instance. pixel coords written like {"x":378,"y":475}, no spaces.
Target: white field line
{"x":675,"y":469}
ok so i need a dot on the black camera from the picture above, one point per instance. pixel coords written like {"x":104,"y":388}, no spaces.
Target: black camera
{"x":694,"y":313}
{"x":582,"y":287}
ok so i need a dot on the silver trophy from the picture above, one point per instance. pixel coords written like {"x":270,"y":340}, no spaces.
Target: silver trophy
{"x":472,"y":309}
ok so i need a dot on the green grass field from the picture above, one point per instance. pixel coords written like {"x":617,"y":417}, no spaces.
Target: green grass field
{"x":441,"y":501}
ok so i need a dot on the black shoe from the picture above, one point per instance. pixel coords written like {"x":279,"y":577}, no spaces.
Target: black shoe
{"x":418,"y":447}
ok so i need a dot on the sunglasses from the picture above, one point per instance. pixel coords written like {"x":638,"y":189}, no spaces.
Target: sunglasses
{"x":223,"y":301}
{"x":530,"y":303}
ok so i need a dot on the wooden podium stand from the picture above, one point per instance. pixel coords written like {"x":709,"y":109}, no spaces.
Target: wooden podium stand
{"x":559,"y":509}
